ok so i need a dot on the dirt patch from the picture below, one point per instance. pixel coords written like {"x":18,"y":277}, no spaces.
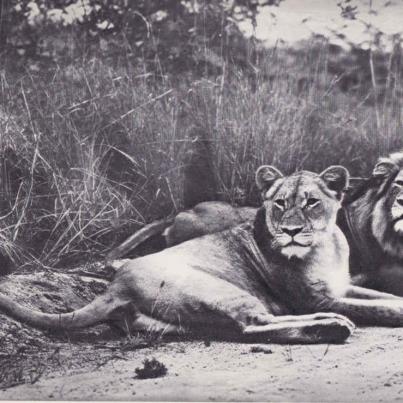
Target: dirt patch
{"x":368,"y":367}
{"x":99,"y":363}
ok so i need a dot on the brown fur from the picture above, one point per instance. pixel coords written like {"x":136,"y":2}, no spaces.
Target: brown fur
{"x":283,"y":278}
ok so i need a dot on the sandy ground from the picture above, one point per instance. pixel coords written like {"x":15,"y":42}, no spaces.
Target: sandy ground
{"x":100,"y":363}
{"x":367,"y":368}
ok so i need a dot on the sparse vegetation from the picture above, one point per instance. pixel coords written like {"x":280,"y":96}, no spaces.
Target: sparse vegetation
{"x":93,"y":150}
{"x":139,"y":341}
{"x":287,"y":353}
{"x":94,"y":132}
{"x":26,"y":366}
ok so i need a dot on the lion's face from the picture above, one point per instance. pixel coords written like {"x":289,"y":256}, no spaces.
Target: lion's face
{"x":395,"y":202}
{"x":300,"y":208}
{"x":387,"y":215}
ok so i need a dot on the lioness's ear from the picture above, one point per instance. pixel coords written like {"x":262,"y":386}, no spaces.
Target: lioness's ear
{"x":336,"y":178}
{"x":384,"y":168}
{"x":266,"y":175}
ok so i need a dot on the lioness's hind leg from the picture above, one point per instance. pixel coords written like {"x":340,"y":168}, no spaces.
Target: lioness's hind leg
{"x":129,"y":320}
{"x":194,"y":299}
{"x":148,"y":324}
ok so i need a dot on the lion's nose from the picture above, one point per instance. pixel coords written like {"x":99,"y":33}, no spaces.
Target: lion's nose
{"x":291,"y":230}
{"x":399,"y":201}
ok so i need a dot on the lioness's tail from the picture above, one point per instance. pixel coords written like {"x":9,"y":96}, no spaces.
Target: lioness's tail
{"x":95,"y":312}
{"x":149,"y":230}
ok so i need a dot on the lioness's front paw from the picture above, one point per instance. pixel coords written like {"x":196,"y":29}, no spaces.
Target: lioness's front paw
{"x":330,"y":330}
{"x":332,"y":315}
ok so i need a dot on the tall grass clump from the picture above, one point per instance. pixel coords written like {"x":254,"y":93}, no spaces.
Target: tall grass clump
{"x":95,"y":152}
{"x":93,"y":149}
{"x":293,"y":114}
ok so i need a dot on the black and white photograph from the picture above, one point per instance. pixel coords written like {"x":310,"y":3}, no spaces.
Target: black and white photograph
{"x":201,"y":200}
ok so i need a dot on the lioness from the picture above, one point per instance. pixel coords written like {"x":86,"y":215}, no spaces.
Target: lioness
{"x":371,"y":219}
{"x":373,"y":223}
{"x":283,"y":279}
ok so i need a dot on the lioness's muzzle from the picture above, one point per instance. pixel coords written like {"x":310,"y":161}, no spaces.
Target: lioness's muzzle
{"x":300,"y":239}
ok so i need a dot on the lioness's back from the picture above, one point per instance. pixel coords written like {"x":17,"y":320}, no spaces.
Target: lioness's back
{"x":219,"y":254}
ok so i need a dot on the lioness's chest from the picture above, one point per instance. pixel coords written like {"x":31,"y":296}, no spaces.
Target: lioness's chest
{"x":328,"y":272}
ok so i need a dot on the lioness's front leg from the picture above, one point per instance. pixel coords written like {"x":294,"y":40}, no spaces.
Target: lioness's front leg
{"x":302,"y":329}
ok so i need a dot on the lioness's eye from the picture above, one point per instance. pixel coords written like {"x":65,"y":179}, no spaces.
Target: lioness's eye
{"x":399,"y":183}
{"x":280,"y":203}
{"x":311,"y":202}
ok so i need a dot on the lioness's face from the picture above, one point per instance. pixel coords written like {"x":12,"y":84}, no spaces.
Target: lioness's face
{"x":300,"y":208}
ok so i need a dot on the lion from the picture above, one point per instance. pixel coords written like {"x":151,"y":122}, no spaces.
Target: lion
{"x":372,"y":220}
{"x":283,"y":278}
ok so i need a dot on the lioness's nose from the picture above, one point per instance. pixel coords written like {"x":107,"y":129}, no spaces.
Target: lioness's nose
{"x":291,"y":230}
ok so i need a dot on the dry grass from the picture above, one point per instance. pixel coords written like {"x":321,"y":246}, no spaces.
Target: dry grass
{"x":99,"y":146}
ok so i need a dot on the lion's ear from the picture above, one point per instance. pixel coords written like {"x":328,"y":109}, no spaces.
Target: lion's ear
{"x":266,"y":175}
{"x":336,"y":178}
{"x":384,"y":168}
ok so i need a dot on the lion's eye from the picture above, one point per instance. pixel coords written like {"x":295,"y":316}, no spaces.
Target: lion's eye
{"x":399,"y":183}
{"x":280,"y":203}
{"x":312,"y":202}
